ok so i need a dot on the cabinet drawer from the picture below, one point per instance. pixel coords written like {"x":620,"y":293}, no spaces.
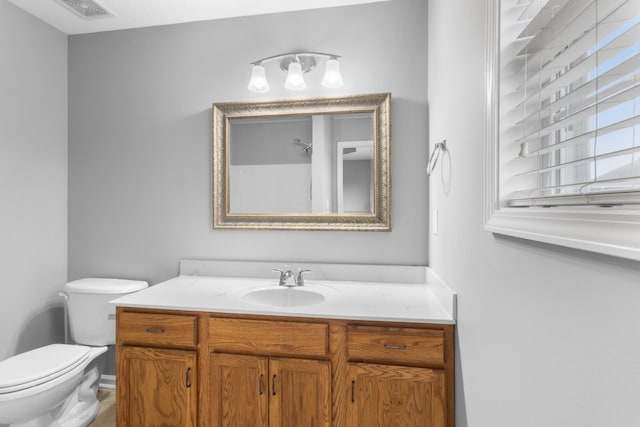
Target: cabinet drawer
{"x":167,"y":330}
{"x":266,"y":337}
{"x":407,"y":346}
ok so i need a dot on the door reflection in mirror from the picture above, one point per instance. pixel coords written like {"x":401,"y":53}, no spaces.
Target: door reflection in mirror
{"x":355,"y":176}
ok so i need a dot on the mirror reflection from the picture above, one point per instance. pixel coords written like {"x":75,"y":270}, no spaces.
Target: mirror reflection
{"x":308,"y":164}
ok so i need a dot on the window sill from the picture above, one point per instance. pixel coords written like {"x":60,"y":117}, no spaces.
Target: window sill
{"x":615,"y":232}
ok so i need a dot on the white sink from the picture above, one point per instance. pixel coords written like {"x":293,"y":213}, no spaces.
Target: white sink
{"x":283,"y":297}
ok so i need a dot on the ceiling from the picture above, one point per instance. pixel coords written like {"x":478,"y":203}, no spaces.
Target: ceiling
{"x":146,"y":13}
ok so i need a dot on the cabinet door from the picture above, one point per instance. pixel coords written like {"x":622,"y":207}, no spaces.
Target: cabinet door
{"x":395,"y":396}
{"x":156,"y":387}
{"x":239,"y":391}
{"x":300,"y":392}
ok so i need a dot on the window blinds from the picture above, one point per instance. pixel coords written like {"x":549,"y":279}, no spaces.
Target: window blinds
{"x":575,"y":121}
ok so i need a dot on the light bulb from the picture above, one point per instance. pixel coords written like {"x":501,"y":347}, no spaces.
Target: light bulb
{"x":295,"y":81}
{"x":258,"y":82}
{"x":332,"y":76}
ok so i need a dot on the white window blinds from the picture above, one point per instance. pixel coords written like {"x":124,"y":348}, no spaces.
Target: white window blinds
{"x":570,"y":102}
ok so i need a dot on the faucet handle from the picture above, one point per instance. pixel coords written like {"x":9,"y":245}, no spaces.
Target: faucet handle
{"x":299,"y":278}
{"x":282,"y":276}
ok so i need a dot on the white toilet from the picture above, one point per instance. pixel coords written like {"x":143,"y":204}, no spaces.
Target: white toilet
{"x":56,"y":385}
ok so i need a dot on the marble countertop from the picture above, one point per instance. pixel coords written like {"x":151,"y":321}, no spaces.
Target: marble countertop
{"x":390,"y":302}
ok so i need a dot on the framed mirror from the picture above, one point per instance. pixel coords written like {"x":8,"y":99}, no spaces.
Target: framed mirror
{"x":312,"y":164}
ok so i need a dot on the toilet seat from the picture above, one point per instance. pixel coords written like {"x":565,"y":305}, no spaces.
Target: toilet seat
{"x":41,"y":365}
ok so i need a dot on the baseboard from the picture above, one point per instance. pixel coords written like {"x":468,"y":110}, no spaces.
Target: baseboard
{"x":108,"y":382}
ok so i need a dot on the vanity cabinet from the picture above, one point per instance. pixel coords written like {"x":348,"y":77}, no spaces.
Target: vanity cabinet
{"x":253,"y":391}
{"x":397,"y":377}
{"x":264,"y":389}
{"x":156,"y":370}
{"x":395,"y":396}
{"x":184,"y":368}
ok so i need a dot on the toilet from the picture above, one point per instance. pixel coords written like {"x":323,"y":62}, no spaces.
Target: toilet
{"x":56,"y":385}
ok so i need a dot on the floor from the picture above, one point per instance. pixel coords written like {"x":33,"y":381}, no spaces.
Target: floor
{"x":107,"y":414}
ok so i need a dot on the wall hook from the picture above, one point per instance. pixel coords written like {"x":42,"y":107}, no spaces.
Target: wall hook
{"x":433,"y":160}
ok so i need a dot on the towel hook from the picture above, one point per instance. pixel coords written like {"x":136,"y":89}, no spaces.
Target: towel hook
{"x":433,"y":160}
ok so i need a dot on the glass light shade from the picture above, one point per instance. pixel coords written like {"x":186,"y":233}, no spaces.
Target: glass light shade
{"x":258,"y":82}
{"x":295,"y":81}
{"x":332,"y":76}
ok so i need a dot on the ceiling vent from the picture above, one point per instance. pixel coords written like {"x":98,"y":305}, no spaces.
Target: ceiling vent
{"x":86,"y":8}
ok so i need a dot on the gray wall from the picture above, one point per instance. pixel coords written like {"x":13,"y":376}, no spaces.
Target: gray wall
{"x":269,"y":142}
{"x":33,"y":180}
{"x":546,"y":336}
{"x":140,"y":136}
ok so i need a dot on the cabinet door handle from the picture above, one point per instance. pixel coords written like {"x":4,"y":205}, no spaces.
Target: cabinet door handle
{"x":187,"y":378}
{"x":155,"y":330}
{"x":395,"y":347}
{"x":353,"y":391}
{"x":273,"y":385}
{"x":260,"y":391}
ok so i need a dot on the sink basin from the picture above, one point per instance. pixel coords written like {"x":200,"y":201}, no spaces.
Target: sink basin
{"x":283,"y":297}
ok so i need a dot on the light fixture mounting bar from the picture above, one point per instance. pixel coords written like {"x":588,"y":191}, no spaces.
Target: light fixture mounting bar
{"x":293,"y":54}
{"x":307,"y":62}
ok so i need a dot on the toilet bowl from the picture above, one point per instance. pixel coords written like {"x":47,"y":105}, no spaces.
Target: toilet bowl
{"x":45,"y":381}
{"x":56,"y":385}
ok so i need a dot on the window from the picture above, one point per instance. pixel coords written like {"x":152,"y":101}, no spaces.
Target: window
{"x":563,"y":121}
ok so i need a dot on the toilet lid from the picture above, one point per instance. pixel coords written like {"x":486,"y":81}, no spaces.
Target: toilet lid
{"x":40,"y":365}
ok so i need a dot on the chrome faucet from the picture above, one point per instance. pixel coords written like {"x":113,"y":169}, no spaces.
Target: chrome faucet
{"x":285,"y":277}
{"x":288,"y":278}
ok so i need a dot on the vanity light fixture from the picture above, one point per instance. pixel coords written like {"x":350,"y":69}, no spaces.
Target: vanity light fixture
{"x":295,"y":65}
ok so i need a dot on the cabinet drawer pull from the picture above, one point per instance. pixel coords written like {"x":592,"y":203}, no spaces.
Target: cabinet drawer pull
{"x":188,"y":378}
{"x":155,"y":330}
{"x":260,"y":391}
{"x":395,"y":347}
{"x":273,"y":385}
{"x":353,"y":391}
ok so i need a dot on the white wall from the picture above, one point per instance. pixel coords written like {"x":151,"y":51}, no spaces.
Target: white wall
{"x":546,"y":336}
{"x":273,"y":189}
{"x":140,"y":136}
{"x":33,"y":180}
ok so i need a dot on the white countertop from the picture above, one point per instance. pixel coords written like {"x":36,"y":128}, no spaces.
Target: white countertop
{"x":390,"y":302}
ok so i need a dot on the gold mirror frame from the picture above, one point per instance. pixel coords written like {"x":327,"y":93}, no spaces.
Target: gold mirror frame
{"x":379,"y":220}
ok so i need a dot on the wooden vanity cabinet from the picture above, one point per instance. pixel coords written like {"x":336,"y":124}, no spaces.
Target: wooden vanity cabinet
{"x":254,"y":391}
{"x":160,"y":387}
{"x":156,"y":362}
{"x":253,"y":385}
{"x":226,"y":370}
{"x":239,"y":393}
{"x":396,"y":396}
{"x":398,"y":377}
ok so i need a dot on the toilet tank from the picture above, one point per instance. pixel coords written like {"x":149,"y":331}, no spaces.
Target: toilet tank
{"x":92,"y":320}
